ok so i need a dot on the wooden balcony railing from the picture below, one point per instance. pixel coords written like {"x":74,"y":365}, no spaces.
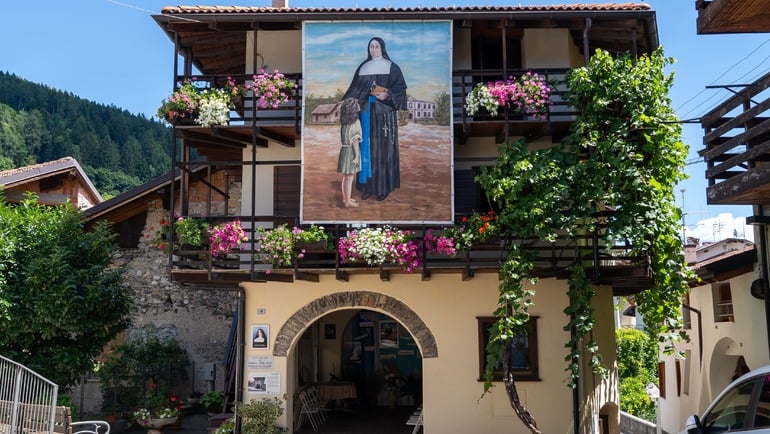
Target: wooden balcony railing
{"x":463,"y":82}
{"x":608,"y":264}
{"x":737,"y":147}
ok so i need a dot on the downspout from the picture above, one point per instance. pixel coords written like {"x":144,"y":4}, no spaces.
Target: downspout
{"x":765,"y":272}
{"x":172,"y":181}
{"x":576,"y":389}
{"x":240,"y":352}
{"x":700,"y":332}
{"x":587,"y":29}
{"x":762,"y":221}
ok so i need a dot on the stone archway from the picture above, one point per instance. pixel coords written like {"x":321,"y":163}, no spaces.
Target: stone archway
{"x":355,"y":299}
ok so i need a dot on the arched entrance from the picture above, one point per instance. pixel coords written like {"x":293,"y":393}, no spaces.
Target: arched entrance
{"x":362,"y":353}
{"x":356,"y":299}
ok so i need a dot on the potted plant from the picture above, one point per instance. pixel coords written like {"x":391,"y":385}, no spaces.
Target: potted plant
{"x":282,"y":246}
{"x":181,"y":104}
{"x":270,"y":88}
{"x":212,"y":401}
{"x":226,"y":237}
{"x":529,"y":94}
{"x":158,"y":411}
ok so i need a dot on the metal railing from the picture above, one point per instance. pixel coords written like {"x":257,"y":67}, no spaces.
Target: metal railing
{"x":27,"y":400}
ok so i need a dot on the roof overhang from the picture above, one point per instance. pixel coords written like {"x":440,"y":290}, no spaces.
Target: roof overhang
{"x":212,"y":36}
{"x":733,"y":16}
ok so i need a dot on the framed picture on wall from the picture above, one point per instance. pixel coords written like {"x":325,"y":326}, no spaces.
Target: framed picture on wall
{"x":522,"y":358}
{"x":260,"y":337}
{"x":330,"y":331}
{"x":388,"y":334}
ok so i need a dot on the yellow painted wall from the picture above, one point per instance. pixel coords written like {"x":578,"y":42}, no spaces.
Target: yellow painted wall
{"x":549,"y":48}
{"x":449,"y":307}
{"x":279,"y":49}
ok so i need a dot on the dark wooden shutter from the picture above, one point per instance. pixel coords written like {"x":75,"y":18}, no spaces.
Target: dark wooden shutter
{"x":286,"y":191}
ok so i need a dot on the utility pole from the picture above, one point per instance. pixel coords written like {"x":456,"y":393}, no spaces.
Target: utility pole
{"x":684,"y":239}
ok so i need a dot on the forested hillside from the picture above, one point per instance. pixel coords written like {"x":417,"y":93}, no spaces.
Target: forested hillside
{"x":117,"y":149}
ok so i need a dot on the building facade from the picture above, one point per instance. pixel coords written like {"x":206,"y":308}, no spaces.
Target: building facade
{"x":409,"y":339}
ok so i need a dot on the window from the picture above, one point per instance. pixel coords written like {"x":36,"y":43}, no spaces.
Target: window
{"x":729,"y":412}
{"x":723,"y":302}
{"x":687,"y":367}
{"x":523,"y":360}
{"x":687,"y":321}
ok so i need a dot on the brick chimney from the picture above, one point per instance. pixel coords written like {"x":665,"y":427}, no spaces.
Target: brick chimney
{"x":281,"y":4}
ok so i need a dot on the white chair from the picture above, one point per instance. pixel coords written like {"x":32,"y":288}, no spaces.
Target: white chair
{"x":309,"y":411}
{"x":416,"y":420}
{"x":312,"y":395}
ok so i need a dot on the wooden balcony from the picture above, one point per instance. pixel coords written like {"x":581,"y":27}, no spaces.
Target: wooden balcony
{"x":737,"y":147}
{"x":607,"y":265}
{"x":284,"y":124}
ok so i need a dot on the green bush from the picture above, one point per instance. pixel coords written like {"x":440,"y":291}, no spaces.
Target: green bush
{"x":144,"y":361}
{"x":259,"y":416}
{"x":637,"y":357}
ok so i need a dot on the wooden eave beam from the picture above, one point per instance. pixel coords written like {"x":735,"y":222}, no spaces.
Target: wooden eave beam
{"x":281,"y":139}
{"x":211,"y":139}
{"x":231,"y":136}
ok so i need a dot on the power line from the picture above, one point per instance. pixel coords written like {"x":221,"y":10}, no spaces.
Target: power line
{"x":722,"y":75}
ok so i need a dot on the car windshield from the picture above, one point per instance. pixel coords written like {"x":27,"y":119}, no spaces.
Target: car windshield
{"x":729,"y":412}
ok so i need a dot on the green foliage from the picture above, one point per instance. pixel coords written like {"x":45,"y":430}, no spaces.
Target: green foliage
{"x":66,"y":401}
{"x":637,"y":354}
{"x":39,"y":124}
{"x":634,"y":399}
{"x":443,"y":111}
{"x":623,"y":154}
{"x":146,"y":360}
{"x":55,"y":281}
{"x":190,"y":231}
{"x":259,"y":416}
{"x":637,"y":357}
{"x":213,"y":399}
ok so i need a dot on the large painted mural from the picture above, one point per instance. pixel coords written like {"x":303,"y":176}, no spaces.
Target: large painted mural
{"x":377,"y":136}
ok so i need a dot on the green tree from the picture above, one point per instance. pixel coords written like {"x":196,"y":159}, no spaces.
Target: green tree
{"x":637,"y":357}
{"x":624,"y":154}
{"x":443,"y":108}
{"x":61,"y":300}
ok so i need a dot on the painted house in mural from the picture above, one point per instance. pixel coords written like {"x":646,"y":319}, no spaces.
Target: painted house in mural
{"x":386,"y":336}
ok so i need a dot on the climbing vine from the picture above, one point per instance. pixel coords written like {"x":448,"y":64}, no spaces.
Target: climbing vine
{"x":618,"y":168}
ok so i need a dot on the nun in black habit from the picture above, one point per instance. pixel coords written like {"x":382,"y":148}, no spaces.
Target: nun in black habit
{"x":379,"y":86}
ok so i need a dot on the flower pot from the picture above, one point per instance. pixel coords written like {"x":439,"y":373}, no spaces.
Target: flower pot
{"x":155,"y":426}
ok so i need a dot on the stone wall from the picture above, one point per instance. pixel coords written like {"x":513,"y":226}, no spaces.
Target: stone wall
{"x":200,"y":319}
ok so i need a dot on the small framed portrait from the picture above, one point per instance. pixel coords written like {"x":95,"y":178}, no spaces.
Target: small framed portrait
{"x":330,"y":331}
{"x":260,"y":337}
{"x":388,"y":334}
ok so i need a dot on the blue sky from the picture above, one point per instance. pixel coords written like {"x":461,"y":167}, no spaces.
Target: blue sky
{"x":114,"y":53}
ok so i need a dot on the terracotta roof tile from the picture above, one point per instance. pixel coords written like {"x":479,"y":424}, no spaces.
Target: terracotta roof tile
{"x":175,"y":10}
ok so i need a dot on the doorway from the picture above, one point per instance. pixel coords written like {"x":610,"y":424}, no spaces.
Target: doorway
{"x":366,"y":369}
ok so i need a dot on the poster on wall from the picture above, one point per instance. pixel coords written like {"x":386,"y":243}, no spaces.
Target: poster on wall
{"x":264,"y":382}
{"x":260,"y":337}
{"x":377,"y":133}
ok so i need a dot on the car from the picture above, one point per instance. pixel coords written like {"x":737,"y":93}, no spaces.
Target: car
{"x":743,"y":406}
